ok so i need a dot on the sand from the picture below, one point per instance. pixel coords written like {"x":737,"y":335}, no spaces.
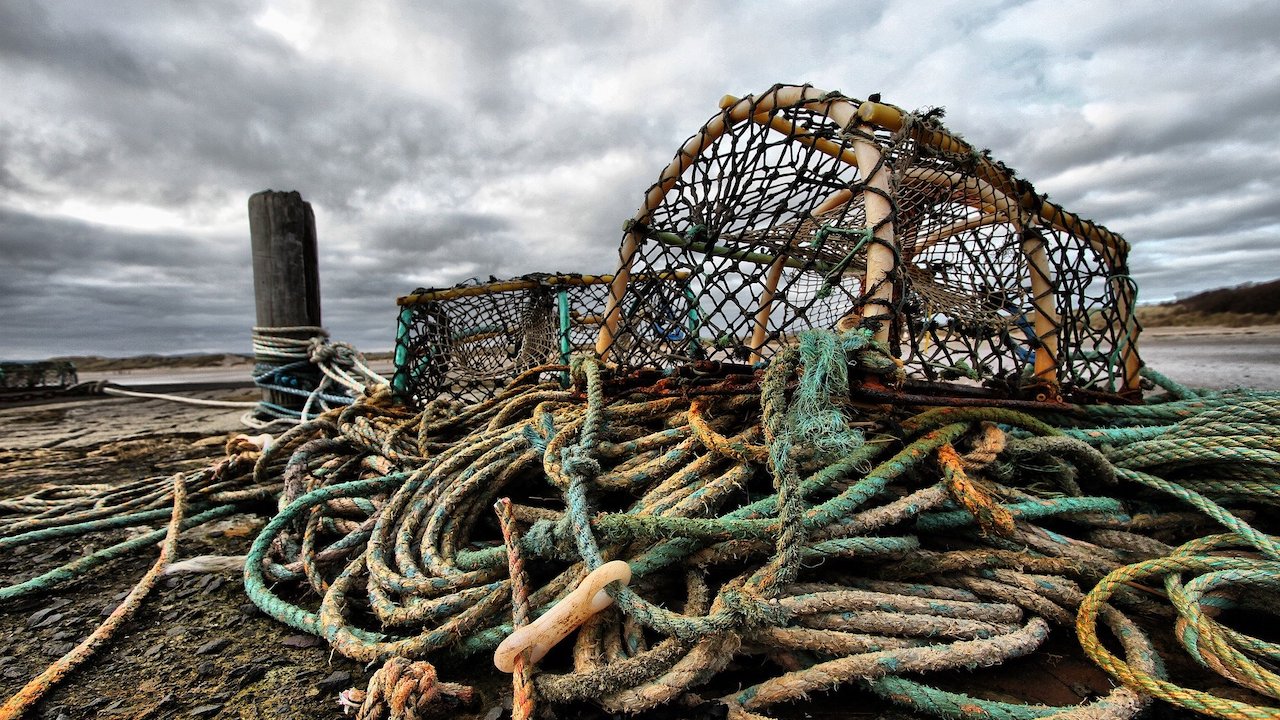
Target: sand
{"x":1215,"y":357}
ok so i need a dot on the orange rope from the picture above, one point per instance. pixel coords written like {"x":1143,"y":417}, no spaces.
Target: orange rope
{"x":28,"y":696}
{"x":991,"y":516}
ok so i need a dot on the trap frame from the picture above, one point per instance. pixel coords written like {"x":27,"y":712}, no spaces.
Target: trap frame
{"x":465,"y":342}
{"x":800,"y":208}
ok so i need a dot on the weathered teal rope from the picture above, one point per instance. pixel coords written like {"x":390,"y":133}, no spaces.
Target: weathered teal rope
{"x":106,"y":523}
{"x":78,"y":567}
{"x":255,"y":584}
{"x":686,"y":509}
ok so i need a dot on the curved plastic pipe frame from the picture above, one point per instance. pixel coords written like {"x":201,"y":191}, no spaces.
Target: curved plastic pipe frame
{"x":539,"y":636}
{"x":842,"y":111}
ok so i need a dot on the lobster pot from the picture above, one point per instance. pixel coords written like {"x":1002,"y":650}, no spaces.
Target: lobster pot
{"x":51,"y":374}
{"x":466,"y":342}
{"x":800,"y":209}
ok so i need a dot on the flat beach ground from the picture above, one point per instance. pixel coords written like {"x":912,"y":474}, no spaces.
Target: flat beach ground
{"x":199,"y":649}
{"x":1215,"y":357}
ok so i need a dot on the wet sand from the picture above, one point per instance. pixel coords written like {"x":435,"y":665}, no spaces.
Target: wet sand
{"x":1216,"y":357}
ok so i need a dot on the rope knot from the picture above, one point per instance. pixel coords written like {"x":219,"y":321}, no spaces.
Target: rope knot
{"x":578,"y":463}
{"x":403,"y":689}
{"x":578,"y":365}
{"x":321,"y":351}
{"x":345,"y":354}
{"x":754,"y":611}
{"x":550,"y":540}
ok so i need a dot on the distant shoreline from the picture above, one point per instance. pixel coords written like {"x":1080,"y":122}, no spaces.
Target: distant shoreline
{"x":99,"y":364}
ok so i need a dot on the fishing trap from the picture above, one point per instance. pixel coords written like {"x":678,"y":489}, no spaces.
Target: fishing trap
{"x":799,"y":208}
{"x":467,"y":341}
{"x":17,"y":377}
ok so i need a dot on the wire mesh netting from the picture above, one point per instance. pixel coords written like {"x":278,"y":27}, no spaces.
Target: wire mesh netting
{"x":801,"y":209}
{"x":465,"y":342}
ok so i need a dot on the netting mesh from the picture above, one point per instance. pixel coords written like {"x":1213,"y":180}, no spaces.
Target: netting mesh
{"x":742,"y":210}
{"x":967,"y":297}
{"x":798,"y":209}
{"x":465,"y":342}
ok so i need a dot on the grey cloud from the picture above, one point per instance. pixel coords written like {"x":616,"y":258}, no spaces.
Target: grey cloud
{"x":70,"y":287}
{"x":197,"y":121}
{"x":451,"y":140}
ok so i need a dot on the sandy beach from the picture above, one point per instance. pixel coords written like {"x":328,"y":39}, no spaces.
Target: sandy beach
{"x":1215,"y":357}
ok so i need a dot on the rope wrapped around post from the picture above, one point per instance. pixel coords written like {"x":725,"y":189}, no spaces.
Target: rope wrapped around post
{"x":303,"y":374}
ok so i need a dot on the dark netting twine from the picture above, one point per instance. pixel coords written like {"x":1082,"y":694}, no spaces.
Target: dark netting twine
{"x":466,"y":342}
{"x":973,"y":276}
{"x":969,"y":303}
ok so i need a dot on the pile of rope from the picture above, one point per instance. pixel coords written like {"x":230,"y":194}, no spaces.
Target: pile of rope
{"x":772,"y":517}
{"x":776,"y":532}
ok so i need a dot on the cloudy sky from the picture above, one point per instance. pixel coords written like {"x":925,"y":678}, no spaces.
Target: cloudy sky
{"x":442,"y":140}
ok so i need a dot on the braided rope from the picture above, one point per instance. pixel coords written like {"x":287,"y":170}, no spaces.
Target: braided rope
{"x":286,"y":364}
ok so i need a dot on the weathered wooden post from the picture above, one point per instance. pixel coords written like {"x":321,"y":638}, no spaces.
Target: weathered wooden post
{"x":286,"y":288}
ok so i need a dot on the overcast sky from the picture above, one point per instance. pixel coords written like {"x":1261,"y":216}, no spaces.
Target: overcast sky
{"x":443,"y":140}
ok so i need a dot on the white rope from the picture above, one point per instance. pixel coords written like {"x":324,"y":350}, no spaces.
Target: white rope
{"x":251,"y":421}
{"x":108,"y":390}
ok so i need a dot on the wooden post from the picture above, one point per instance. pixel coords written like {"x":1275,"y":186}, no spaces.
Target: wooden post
{"x":286,"y":277}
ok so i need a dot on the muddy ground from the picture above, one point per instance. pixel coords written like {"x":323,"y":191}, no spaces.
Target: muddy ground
{"x":197,"y":648}
{"x":200,"y":649}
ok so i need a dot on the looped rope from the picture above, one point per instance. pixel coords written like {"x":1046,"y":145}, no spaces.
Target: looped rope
{"x":855,"y":544}
{"x":404,"y":689}
{"x":578,"y":463}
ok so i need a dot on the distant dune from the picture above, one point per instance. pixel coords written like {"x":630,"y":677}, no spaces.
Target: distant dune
{"x":1246,"y":305}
